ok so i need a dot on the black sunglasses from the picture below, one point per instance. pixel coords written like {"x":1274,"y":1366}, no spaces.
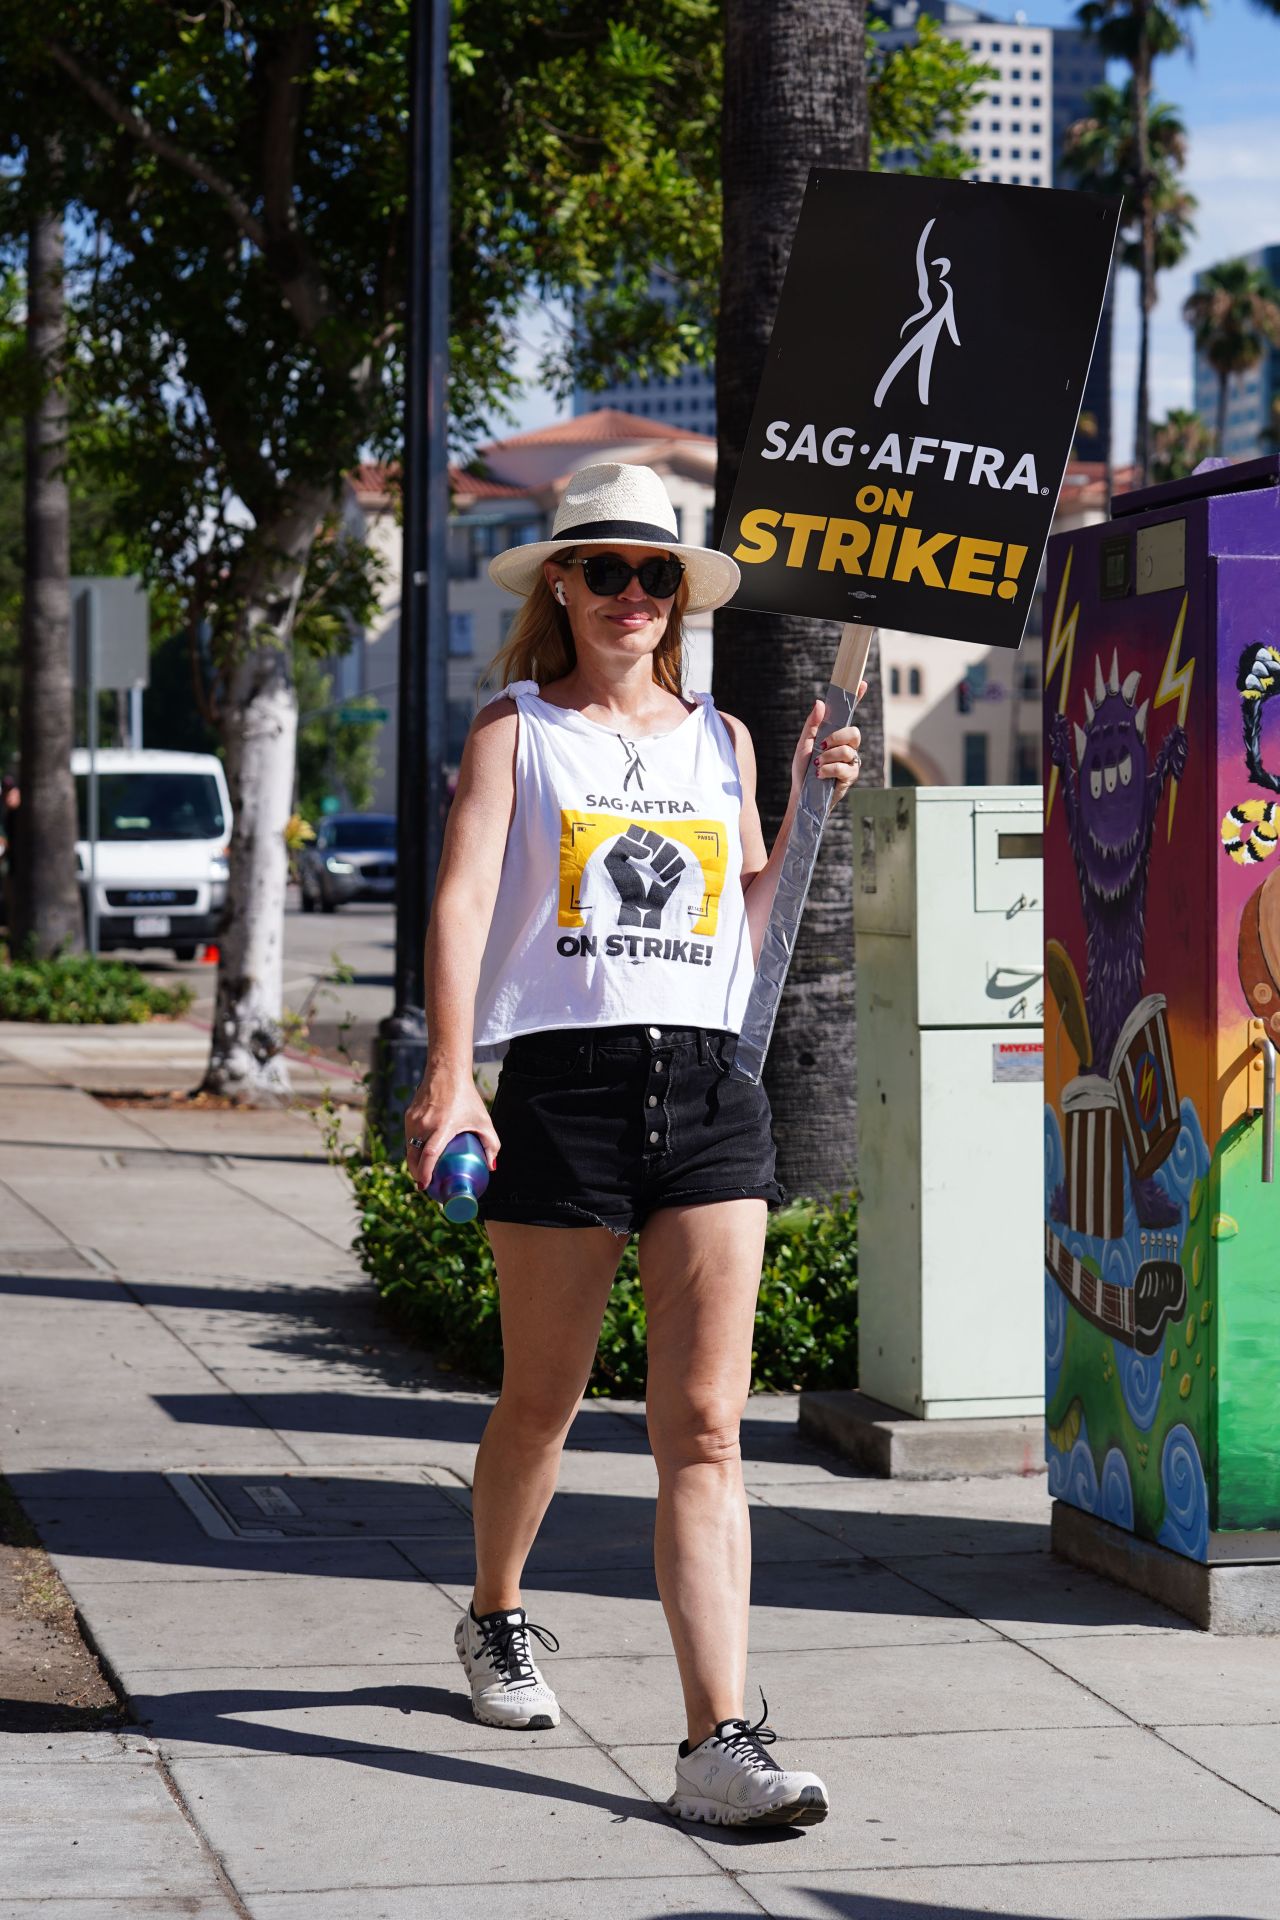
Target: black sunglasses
{"x":608,"y":574}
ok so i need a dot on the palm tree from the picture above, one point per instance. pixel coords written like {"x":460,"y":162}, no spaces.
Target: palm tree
{"x":1138,"y":31}
{"x":1179,"y":443}
{"x":795,"y":96}
{"x":1235,"y":314}
{"x":1101,"y":152}
{"x":46,"y":906}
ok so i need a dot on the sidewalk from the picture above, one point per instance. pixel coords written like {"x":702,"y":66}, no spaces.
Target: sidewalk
{"x":190,"y":1357}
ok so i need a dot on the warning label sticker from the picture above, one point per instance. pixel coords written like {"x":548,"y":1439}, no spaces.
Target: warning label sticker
{"x":1017,"y":1060}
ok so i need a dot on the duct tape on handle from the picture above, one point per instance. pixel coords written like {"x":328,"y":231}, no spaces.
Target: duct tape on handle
{"x":794,"y":881}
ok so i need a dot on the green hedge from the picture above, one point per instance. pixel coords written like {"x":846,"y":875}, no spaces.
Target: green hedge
{"x":438,"y":1280}
{"x":81,"y":991}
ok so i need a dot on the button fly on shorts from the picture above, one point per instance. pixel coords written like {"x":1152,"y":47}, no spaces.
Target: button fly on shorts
{"x":657,"y":1127}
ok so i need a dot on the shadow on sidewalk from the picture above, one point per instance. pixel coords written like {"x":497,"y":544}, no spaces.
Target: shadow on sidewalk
{"x":870,"y":1559}
{"x":210,"y":1716}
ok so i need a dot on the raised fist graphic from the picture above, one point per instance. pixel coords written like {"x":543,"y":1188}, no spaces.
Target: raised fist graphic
{"x":644,"y":868}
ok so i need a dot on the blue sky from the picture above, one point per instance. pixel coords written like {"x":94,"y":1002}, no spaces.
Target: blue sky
{"x":1228,"y":93}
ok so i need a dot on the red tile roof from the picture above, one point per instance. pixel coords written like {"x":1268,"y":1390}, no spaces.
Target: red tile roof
{"x":602,"y":425}
{"x":373,"y":484}
{"x":471,"y":486}
{"x":1084,"y":483}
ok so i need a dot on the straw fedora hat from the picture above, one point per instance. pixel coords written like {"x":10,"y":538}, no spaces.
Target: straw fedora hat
{"x":615,"y":505}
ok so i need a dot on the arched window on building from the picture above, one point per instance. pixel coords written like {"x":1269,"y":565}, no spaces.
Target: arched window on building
{"x":895,"y":680}
{"x":915,"y":684}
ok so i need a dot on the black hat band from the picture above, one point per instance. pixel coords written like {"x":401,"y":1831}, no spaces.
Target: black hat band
{"x":644,"y":532}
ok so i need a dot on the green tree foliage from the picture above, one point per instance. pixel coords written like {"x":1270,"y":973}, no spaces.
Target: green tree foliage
{"x":1235,"y":315}
{"x":242,"y":176}
{"x":919,"y":99}
{"x":334,"y":756}
{"x":1179,"y":443}
{"x":1101,"y":154}
{"x":102,"y":541}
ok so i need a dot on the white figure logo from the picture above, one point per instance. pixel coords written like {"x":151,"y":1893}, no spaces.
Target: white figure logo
{"x":936,"y":312}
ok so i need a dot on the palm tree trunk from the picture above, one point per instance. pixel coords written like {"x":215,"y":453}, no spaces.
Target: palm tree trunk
{"x":1220,"y":430}
{"x":795,"y":96}
{"x":1147,"y":270}
{"x":46,"y":909}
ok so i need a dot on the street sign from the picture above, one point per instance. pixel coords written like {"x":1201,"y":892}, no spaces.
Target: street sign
{"x":111,"y":614}
{"x":361,"y":716}
{"x":919,"y":398}
{"x":109,"y":653}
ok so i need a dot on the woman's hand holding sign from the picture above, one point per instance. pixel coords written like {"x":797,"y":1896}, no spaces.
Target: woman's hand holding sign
{"x":838,"y":757}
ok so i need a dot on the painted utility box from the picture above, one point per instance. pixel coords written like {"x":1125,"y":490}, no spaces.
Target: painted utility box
{"x":1162,"y":925}
{"x":947,"y":912}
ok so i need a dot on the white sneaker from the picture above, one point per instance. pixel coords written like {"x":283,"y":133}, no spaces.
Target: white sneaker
{"x":507,"y":1689}
{"x":729,"y":1780}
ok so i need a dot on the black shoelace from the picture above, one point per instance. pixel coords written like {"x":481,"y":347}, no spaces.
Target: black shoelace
{"x":506,"y":1643}
{"x":748,"y":1742}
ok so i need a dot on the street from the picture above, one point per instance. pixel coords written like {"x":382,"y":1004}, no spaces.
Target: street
{"x":340,"y":1016}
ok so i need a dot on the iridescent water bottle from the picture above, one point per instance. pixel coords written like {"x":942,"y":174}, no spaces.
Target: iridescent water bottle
{"x":460,"y":1177}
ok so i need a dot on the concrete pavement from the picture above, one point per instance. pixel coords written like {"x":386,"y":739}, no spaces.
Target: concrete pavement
{"x":257,"y":1495}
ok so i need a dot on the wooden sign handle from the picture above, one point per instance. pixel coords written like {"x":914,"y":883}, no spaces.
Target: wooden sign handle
{"x":851,"y":657}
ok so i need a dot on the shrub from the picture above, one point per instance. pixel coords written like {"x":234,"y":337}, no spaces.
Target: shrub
{"x":81,"y":991}
{"x":438,"y":1280}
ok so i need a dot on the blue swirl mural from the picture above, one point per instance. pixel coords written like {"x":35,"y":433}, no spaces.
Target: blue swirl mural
{"x":1115,"y":1502}
{"x":1186,"y":1496}
{"x":1141,"y":1379}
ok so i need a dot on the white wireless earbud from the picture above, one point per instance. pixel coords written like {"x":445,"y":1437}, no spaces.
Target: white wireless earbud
{"x":560,"y":595}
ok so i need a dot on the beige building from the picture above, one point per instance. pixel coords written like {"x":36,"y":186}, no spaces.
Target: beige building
{"x":958,"y":714}
{"x":508,"y":495}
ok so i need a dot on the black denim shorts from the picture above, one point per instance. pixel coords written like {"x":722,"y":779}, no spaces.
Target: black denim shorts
{"x":600,"y":1126}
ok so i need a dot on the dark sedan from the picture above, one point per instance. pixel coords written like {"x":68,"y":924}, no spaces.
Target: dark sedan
{"x":353,"y":857}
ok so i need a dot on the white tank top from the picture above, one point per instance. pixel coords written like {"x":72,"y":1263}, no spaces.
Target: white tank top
{"x":620,"y":901}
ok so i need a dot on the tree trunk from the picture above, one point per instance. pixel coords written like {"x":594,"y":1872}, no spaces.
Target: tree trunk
{"x":1220,"y":430}
{"x":46,"y":909}
{"x":260,"y":732}
{"x":795,"y":97}
{"x":1147,"y":267}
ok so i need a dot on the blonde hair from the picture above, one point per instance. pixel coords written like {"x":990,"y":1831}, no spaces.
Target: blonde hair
{"x":540,"y":644}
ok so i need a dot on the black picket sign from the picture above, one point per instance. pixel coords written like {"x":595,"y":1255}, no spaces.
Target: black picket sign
{"x":918,"y":402}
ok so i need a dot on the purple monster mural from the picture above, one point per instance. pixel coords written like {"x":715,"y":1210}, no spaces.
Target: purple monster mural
{"x":1111,"y":796}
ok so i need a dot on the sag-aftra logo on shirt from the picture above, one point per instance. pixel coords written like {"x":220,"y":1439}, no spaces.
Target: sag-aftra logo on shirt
{"x":638,"y":892}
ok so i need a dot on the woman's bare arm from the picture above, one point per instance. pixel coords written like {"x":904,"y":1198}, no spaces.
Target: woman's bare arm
{"x":838,"y":761}
{"x":475,"y":842}
{"x":759,"y":870}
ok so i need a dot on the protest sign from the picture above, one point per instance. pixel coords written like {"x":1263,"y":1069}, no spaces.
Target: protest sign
{"x":918,"y":402}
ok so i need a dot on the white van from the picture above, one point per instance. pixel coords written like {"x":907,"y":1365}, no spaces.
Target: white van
{"x":164,"y":824}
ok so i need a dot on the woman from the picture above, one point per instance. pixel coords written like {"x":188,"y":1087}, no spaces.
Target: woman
{"x":602,"y":894}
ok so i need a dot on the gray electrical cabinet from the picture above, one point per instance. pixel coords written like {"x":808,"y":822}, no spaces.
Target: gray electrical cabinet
{"x":949,"y":925}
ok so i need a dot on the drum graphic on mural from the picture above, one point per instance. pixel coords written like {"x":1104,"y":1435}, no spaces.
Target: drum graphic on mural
{"x":1142,"y":1075}
{"x":1094,"y":1153}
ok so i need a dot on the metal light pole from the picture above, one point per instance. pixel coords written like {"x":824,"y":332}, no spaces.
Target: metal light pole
{"x":400,"y":1049}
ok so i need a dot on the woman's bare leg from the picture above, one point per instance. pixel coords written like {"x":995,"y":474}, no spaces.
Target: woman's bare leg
{"x":553,"y":1286}
{"x":700,"y":1268}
